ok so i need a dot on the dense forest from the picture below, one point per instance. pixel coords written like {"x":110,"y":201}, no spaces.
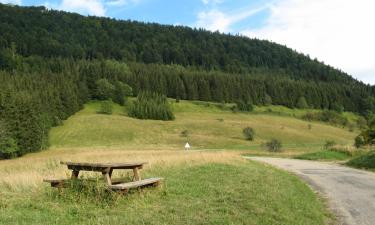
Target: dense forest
{"x":52,"y":62}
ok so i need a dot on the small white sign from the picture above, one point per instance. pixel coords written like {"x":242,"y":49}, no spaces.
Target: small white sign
{"x":187,"y":146}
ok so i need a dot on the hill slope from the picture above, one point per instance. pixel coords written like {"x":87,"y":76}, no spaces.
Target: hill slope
{"x":49,"y":33}
{"x":209,"y":128}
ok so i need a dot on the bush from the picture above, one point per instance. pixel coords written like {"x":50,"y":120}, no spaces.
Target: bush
{"x":150,"y":105}
{"x":274,"y":145}
{"x":244,"y":106}
{"x":359,"y":141}
{"x":8,"y":148}
{"x":329,"y":144}
{"x":366,"y":161}
{"x":104,"y":89}
{"x":367,"y":137}
{"x":327,"y":116}
{"x":121,"y":91}
{"x":106,"y":107}
{"x":302,"y":103}
{"x":249,"y":133}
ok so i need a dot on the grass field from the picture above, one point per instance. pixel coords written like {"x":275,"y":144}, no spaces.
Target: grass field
{"x":210,"y":127}
{"x":210,"y":185}
{"x":199,"y":188}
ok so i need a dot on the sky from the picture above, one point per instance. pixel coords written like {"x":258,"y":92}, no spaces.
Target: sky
{"x":337,"y":32}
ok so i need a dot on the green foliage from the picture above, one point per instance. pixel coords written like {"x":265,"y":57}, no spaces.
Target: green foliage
{"x":244,"y":106}
{"x":302,"y":103}
{"x":149,"y":105}
{"x":106,"y":107}
{"x":324,"y":156}
{"x":8,"y":146}
{"x":274,"y":145}
{"x":267,"y":100}
{"x":359,"y":141}
{"x":249,"y":133}
{"x":366,"y":137}
{"x":121,"y":91}
{"x":327,"y":116}
{"x":104,"y":89}
{"x":366,"y":161}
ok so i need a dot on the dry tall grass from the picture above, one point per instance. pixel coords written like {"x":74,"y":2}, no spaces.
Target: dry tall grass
{"x":27,"y":173}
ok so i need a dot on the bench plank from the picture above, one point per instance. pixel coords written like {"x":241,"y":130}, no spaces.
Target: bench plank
{"x":136,"y":184}
{"x":65,"y":182}
{"x":90,"y":166}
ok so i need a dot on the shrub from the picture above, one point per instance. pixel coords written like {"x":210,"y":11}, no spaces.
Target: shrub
{"x":359,"y":141}
{"x":366,"y":161}
{"x":249,"y":133}
{"x":367,"y":137}
{"x":244,"y":106}
{"x":327,"y":116}
{"x":150,"y":105}
{"x":8,"y":148}
{"x":121,"y":91}
{"x":302,"y":103}
{"x":329,"y":144}
{"x":106,"y":107}
{"x":274,"y":145}
{"x":104,"y":89}
{"x":185,"y":133}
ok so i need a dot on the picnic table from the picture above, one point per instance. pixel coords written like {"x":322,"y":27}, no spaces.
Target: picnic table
{"x":106,"y":169}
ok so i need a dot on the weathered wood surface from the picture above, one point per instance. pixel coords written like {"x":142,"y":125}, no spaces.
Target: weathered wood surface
{"x":90,"y":166}
{"x":136,"y":184}
{"x":66,"y":182}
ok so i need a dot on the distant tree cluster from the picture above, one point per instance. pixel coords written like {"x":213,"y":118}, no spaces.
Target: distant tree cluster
{"x":150,"y":105}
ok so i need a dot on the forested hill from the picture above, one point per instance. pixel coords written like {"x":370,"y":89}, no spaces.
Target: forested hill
{"x":49,"y":33}
{"x":53,"y":62}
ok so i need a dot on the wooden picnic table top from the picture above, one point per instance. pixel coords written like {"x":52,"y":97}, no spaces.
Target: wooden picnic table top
{"x":88,"y":165}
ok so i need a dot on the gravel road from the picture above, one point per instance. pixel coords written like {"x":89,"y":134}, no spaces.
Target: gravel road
{"x":350,"y":192}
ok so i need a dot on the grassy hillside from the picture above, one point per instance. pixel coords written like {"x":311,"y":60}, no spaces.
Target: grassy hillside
{"x":217,"y":187}
{"x":210,"y":127}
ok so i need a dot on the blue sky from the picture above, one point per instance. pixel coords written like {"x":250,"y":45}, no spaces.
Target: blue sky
{"x":337,"y":32}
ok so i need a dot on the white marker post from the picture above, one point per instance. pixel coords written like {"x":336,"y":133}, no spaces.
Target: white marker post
{"x":187,"y":146}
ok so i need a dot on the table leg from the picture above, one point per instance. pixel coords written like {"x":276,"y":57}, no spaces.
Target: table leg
{"x":137,"y":176}
{"x":75,"y":174}
{"x":107,"y":173}
{"x":110,"y":173}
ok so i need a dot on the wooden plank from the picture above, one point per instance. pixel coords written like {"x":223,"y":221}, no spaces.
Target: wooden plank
{"x":64,"y":182}
{"x":136,"y":184}
{"x":129,"y":165}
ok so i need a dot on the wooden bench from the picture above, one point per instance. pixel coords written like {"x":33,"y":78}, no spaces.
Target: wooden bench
{"x":106,"y":170}
{"x":63,"y":183}
{"x":125,"y":187}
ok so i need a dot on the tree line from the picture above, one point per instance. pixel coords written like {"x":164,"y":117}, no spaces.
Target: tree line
{"x":39,"y":93}
{"x":51,"y":33}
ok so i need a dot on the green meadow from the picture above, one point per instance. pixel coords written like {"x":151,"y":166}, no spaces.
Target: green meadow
{"x":211,"y":184}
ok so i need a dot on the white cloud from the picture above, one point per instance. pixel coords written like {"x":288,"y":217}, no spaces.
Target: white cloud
{"x":338,"y":32}
{"x":118,"y":3}
{"x":213,"y":2}
{"x":15,"y":2}
{"x":216,"y":20}
{"x":90,"y":7}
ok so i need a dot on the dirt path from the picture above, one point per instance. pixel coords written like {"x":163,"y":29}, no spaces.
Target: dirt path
{"x":350,"y":192}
